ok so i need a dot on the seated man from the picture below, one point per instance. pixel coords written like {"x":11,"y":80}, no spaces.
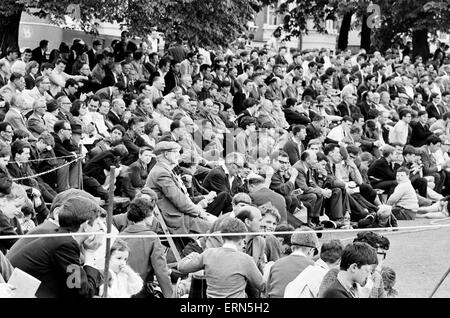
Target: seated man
{"x":45,"y":160}
{"x":225,"y":178}
{"x":346,"y":176}
{"x":381,"y":172}
{"x":305,"y":245}
{"x":404,"y":200}
{"x":214,"y":203}
{"x":307,"y":283}
{"x":21,"y":171}
{"x":179,"y":212}
{"x":313,"y":195}
{"x":261,"y":194}
{"x":55,"y":261}
{"x":283,"y":182}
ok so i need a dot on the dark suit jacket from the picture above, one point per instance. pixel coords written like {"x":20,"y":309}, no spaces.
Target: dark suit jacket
{"x":238,"y":103}
{"x":138,"y":174}
{"x":133,"y":147}
{"x":280,"y":185}
{"x":55,"y":261}
{"x":344,"y":110}
{"x":171,"y":80}
{"x":312,"y":133}
{"x":419,"y":135}
{"x":61,"y":150}
{"x":295,"y":118}
{"x":29,"y":82}
{"x":92,"y":58}
{"x":291,"y":148}
{"x":36,"y":55}
{"x":114,"y":118}
{"x":305,"y":180}
{"x":216,"y":180}
{"x":310,"y":91}
{"x":8,"y":227}
{"x":433,"y":112}
{"x":381,"y":169}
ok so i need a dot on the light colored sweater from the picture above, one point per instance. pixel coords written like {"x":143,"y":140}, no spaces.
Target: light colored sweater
{"x":227,"y":271}
{"x":404,"y":196}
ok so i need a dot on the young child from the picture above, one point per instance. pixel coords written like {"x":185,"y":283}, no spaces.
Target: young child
{"x":26,"y":222}
{"x":389,"y":278}
{"x":123,"y":281}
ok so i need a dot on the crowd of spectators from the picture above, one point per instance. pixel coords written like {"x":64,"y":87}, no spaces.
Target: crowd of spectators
{"x":235,"y":140}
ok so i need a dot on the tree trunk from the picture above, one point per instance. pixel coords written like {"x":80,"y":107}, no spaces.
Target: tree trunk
{"x":9,"y":31}
{"x":420,"y":44}
{"x":366,"y":33}
{"x":343,"y":32}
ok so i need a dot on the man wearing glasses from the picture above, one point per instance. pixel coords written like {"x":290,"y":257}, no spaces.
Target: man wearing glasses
{"x":283,"y":182}
{"x":225,"y":178}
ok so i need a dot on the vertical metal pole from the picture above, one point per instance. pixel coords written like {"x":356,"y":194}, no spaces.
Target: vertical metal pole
{"x":112,"y":171}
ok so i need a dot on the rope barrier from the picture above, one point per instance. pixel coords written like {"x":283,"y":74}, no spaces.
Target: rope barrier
{"x":390,"y":230}
{"x":42,"y":159}
{"x":48,"y":171}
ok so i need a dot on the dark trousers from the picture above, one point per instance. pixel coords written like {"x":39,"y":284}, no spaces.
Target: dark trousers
{"x":92,"y":186}
{"x":420,"y":184}
{"x":439,"y":180}
{"x":201,"y":173}
{"x":334,"y":206}
{"x":388,"y":186}
{"x":359,"y":207}
{"x":313,"y":203}
{"x":221,"y":204}
{"x":291,"y":204}
{"x":368,"y":192}
{"x":47,"y":192}
{"x":403,"y":214}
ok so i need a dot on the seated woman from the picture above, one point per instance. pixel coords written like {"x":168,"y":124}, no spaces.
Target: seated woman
{"x":147,"y":256}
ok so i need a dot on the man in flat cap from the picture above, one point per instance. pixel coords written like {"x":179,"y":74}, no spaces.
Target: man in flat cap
{"x":179,"y":212}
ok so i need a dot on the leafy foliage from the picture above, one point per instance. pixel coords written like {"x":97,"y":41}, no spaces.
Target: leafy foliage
{"x":200,"y":22}
{"x":206,"y":23}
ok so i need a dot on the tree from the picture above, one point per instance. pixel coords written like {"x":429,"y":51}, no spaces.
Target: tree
{"x":415,"y":18}
{"x":90,"y":13}
{"x":206,"y":23}
{"x":200,"y":22}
